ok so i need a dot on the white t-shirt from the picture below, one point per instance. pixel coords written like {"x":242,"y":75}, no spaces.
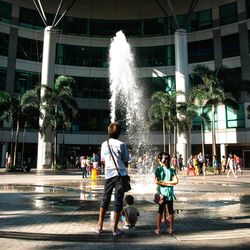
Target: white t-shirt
{"x":120,"y":153}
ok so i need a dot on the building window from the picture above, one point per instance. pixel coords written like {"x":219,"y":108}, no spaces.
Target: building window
{"x":3,"y":72}
{"x":200,"y":51}
{"x":248,"y":8}
{"x":91,"y":120}
{"x":73,"y":25}
{"x":86,"y":87}
{"x":28,"y":49}
{"x":31,"y":19}
{"x":155,"y":56}
{"x":230,"y":46}
{"x":4,"y":42}
{"x":150,"y":85}
{"x":5,"y":12}
{"x":228,"y":13}
{"x":157,"y":26}
{"x":25,"y":80}
{"x":235,"y":119}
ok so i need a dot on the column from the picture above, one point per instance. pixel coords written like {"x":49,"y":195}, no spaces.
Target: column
{"x":48,"y":69}
{"x":222,"y":150}
{"x":182,"y":84}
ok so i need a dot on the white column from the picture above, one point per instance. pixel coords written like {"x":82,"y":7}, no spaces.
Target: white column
{"x":47,"y":78}
{"x":182,"y":84}
{"x":222,"y":150}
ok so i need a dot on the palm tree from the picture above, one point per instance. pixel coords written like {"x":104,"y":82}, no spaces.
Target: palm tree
{"x":209,"y":93}
{"x":159,"y":112}
{"x":10,"y":107}
{"x":165,"y":110}
{"x":59,"y":106}
{"x":30,"y":112}
{"x":194,"y":108}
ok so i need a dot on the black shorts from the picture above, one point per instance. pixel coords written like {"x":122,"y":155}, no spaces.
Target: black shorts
{"x":169,"y":204}
{"x":109,"y":185}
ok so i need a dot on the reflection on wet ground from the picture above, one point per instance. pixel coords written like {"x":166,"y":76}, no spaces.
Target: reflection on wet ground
{"x":69,"y":205}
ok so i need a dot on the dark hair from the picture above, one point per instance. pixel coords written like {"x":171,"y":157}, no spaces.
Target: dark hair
{"x":114,"y":130}
{"x":165,"y":158}
{"x":129,"y":199}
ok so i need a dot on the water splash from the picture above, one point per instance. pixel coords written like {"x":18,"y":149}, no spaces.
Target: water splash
{"x":127,"y":104}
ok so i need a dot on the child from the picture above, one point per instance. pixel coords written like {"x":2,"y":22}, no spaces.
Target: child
{"x":130,"y":212}
{"x":166,"y":179}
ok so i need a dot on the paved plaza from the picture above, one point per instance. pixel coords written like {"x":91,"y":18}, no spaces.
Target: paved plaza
{"x":57,"y":210}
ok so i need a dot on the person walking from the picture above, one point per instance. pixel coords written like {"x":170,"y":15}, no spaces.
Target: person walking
{"x":230,"y":164}
{"x":120,"y":153}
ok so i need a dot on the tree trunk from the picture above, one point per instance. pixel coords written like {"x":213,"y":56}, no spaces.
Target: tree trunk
{"x":169,"y":140}
{"x":24,"y":135}
{"x":202,"y":139}
{"x":164,"y":135}
{"x":11,"y":142}
{"x":175,"y":135}
{"x":16,"y":142}
{"x":213,"y":132}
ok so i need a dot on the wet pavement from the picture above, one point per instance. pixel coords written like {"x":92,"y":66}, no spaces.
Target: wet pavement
{"x":55,"y":210}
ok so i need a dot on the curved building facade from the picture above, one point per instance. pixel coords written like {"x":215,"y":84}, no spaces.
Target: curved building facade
{"x":218,"y":35}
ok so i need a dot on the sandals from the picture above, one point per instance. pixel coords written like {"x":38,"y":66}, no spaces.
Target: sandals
{"x":97,"y":230}
{"x":171,"y":231}
{"x":118,"y":232}
{"x":157,"y":232}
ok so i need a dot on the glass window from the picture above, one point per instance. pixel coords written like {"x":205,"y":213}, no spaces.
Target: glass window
{"x":231,"y":79}
{"x":230,"y":45}
{"x":201,"y":20}
{"x":228,"y":13}
{"x":31,"y":19}
{"x":3,"y":72}
{"x":28,"y":49}
{"x":81,"y":87}
{"x":5,"y":12}
{"x":4,"y":42}
{"x":99,"y":57}
{"x":73,"y":25}
{"x":91,"y":120}
{"x":248,"y":8}
{"x":154,"y":56}
{"x":200,"y":51}
{"x":235,"y":119}
{"x":25,"y":80}
{"x":110,"y":27}
{"x":157,"y":26}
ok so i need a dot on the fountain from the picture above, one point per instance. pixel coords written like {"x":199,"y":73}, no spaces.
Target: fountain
{"x":127,"y":104}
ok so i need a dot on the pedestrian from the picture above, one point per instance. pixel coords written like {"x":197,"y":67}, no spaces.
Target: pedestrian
{"x":84,"y":167}
{"x":130,"y":213}
{"x":230,"y":165}
{"x":180,"y":162}
{"x":238,"y":164}
{"x":223,"y":164}
{"x":120,"y":153}
{"x":166,"y":179}
{"x":216,"y":165}
{"x":174,"y":161}
{"x":201,"y":160}
{"x":190,"y":165}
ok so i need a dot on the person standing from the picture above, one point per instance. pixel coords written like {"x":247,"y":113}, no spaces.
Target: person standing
{"x":166,"y":179}
{"x":201,"y":160}
{"x":180,"y":162}
{"x":120,"y":154}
